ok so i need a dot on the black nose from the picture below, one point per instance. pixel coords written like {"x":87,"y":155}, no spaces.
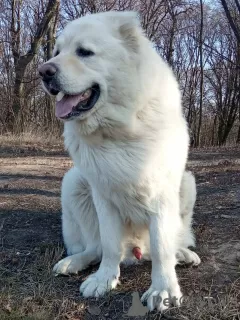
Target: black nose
{"x":47,"y":71}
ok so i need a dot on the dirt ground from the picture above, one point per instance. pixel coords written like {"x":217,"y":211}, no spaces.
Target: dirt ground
{"x":31,"y":242}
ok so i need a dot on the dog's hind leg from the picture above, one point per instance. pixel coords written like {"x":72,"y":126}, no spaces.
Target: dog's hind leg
{"x":77,"y":262}
{"x":187,"y":201}
{"x":187,"y":256}
{"x":79,"y":225}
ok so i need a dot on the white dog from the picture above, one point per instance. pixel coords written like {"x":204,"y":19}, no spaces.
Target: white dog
{"x":125,"y":131}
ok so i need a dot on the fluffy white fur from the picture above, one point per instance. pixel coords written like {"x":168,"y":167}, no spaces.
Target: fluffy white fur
{"x":128,"y":186}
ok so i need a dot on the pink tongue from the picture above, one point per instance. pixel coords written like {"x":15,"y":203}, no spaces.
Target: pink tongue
{"x":65,"y":106}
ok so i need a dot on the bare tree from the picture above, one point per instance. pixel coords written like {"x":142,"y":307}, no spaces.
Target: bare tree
{"x":233,"y":24}
{"x":199,"y":40}
{"x":22,"y":60}
{"x":201,"y":76}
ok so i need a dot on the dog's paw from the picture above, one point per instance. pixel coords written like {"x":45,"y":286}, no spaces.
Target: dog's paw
{"x":161,"y":299}
{"x":187,"y":256}
{"x":67,"y":266}
{"x":98,"y":284}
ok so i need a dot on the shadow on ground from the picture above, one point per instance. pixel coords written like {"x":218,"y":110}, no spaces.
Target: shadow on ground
{"x":31,"y":242}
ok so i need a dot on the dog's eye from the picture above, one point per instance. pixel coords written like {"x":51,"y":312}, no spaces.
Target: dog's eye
{"x":56,"y":53}
{"x":84,"y":52}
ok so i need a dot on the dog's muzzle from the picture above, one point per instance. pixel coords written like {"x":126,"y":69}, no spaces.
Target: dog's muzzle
{"x":48,"y":72}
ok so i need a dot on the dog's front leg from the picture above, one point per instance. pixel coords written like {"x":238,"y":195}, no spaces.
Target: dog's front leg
{"x":111,"y":233}
{"x":163,"y":227}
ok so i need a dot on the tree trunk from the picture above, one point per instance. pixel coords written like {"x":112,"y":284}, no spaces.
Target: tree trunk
{"x":232,"y":23}
{"x":169,"y":57}
{"x":21,"y":61}
{"x":238,"y":134}
{"x":50,"y":105}
{"x":18,"y":91}
{"x":201,"y":77}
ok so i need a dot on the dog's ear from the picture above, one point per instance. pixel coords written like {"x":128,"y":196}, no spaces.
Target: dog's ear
{"x":129,"y":28}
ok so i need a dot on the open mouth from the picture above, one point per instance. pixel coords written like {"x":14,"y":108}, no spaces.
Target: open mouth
{"x":69,"y":106}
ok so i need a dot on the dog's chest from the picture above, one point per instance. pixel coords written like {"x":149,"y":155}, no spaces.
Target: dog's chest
{"x":117,"y":171}
{"x":108,"y":164}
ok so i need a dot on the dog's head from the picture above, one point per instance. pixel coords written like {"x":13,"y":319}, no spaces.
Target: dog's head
{"x":94,"y":69}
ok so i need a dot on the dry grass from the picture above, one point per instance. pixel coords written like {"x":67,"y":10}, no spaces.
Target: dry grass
{"x":34,"y":293}
{"x":31,"y":138}
{"x":30,"y":235}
